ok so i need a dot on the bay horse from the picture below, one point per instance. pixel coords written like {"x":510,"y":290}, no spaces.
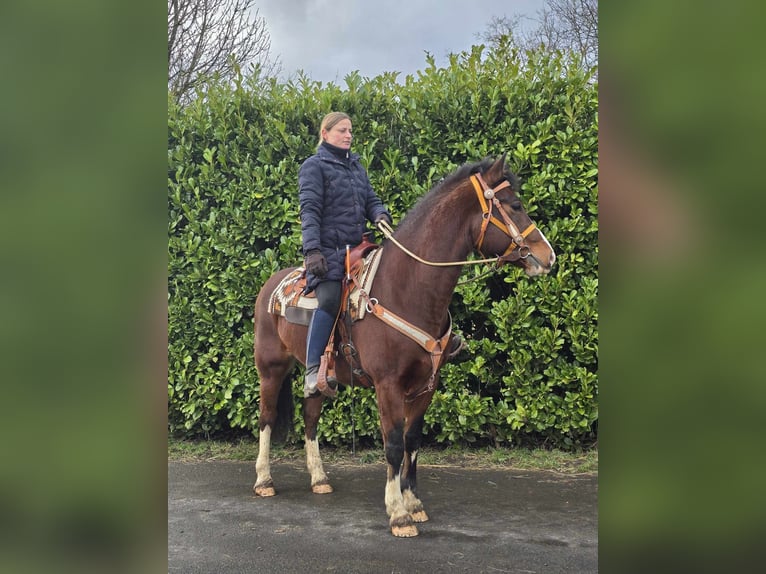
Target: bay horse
{"x":476,"y":208}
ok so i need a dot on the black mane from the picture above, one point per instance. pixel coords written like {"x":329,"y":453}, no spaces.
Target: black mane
{"x":425,"y":204}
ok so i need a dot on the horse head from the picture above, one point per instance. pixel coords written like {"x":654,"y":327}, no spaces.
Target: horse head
{"x":506,"y":230}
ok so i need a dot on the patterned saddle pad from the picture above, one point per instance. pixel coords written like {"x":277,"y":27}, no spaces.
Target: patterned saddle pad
{"x":289,"y":301}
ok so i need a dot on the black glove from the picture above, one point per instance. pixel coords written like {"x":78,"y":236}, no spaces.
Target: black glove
{"x":315,"y":263}
{"x":384,"y":217}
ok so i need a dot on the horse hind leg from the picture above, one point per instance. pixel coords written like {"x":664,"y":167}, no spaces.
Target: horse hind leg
{"x":264,"y":484}
{"x":272,"y":375}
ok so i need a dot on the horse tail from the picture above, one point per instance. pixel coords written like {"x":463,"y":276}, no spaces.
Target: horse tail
{"x":285,"y":412}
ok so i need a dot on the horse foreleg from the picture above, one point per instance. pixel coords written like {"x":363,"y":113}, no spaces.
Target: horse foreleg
{"x":320,"y":484}
{"x":264,"y":485}
{"x":400,"y":519}
{"x":412,"y":440}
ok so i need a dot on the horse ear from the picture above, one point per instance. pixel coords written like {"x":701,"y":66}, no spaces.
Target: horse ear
{"x":499,"y":166}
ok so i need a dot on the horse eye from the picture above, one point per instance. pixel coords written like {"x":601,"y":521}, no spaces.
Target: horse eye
{"x":516,"y":206}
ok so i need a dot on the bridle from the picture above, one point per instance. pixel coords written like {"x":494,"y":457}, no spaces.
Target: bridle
{"x":518,"y":248}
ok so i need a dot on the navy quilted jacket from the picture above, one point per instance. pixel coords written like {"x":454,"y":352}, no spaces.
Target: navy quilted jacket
{"x":336,"y":200}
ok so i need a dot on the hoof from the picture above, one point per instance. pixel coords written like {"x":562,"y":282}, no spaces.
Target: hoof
{"x":419,"y":516}
{"x":264,"y":490}
{"x":321,"y":488}
{"x":404,"y":531}
{"x":402,"y":527}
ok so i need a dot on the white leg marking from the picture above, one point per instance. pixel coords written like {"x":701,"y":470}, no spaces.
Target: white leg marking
{"x":263,"y":486}
{"x":400,"y":520}
{"x":394,"y":500}
{"x":414,"y":506}
{"x":314,"y":462}
{"x":262,"y":465}
{"x":411,"y":502}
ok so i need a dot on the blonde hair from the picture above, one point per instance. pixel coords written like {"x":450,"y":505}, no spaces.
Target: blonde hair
{"x":329,"y":121}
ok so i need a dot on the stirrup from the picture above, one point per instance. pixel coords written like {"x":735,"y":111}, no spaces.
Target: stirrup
{"x":327,"y":384}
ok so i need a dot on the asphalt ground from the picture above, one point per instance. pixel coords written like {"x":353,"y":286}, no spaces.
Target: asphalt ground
{"x":481,"y":520}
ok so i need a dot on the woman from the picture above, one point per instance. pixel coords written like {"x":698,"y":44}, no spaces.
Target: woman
{"x":336,"y":200}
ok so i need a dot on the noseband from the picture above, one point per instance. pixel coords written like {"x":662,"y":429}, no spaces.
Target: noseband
{"x":518,"y":248}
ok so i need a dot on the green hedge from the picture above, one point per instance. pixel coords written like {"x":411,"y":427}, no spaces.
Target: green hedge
{"x":233,"y":156}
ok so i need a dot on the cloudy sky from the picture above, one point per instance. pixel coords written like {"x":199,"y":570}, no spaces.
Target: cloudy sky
{"x":327,"y":39}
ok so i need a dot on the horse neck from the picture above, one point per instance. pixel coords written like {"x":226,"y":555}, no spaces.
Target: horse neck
{"x":441,"y":235}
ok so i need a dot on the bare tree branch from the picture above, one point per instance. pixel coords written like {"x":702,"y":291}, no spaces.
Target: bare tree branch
{"x":214,"y":36}
{"x":565,"y":25}
{"x":576,"y":25}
